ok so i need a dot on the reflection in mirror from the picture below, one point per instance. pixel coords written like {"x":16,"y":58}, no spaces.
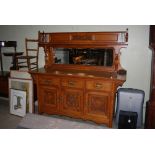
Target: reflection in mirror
{"x":92,"y":57}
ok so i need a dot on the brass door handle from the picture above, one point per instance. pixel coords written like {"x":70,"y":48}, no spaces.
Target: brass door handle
{"x":71,"y":83}
{"x":98,"y":85}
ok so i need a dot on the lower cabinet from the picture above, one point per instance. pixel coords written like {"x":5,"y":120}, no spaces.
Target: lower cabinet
{"x":77,"y":98}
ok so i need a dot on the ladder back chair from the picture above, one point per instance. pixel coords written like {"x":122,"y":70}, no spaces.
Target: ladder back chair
{"x":30,"y":59}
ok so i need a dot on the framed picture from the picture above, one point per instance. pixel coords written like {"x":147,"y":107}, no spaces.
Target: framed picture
{"x":18,"y":102}
{"x":24,"y":85}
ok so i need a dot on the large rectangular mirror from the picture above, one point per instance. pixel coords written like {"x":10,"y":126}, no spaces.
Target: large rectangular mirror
{"x":89,"y":56}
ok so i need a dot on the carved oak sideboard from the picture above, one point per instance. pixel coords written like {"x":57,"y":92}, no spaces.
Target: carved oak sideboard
{"x":83,"y":84}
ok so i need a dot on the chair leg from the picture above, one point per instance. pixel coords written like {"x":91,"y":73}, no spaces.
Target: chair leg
{"x":28,"y":64}
{"x":17,"y":67}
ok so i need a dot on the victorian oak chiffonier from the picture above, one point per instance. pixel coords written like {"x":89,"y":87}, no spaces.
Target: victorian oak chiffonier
{"x":81,"y":74}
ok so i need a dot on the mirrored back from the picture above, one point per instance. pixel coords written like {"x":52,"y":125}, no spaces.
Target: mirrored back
{"x":88,"y":57}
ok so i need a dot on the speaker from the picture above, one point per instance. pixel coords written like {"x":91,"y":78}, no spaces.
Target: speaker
{"x":129,"y":99}
{"x":127,"y":120}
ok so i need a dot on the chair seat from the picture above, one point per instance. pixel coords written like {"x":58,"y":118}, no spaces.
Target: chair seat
{"x":26,"y":57}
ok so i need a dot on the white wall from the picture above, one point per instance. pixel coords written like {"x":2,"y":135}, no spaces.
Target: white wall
{"x":136,"y":59}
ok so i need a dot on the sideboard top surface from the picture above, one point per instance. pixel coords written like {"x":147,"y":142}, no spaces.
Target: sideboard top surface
{"x":81,"y":74}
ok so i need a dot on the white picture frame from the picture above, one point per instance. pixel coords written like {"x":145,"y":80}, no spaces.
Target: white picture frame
{"x":18,"y":102}
{"x":24,"y":85}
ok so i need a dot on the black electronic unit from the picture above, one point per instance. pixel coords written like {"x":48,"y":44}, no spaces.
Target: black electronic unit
{"x":8,"y":44}
{"x":127,"y":120}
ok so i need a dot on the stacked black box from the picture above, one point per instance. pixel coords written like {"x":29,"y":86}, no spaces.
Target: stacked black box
{"x":127,"y":120}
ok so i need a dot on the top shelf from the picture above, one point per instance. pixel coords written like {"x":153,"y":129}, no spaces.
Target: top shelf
{"x":83,"y":39}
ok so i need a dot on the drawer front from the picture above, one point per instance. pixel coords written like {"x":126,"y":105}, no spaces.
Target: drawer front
{"x":99,"y":85}
{"x":49,"y":81}
{"x":73,"y":83}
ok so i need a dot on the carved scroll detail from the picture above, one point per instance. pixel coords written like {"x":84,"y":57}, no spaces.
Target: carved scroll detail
{"x":48,"y":56}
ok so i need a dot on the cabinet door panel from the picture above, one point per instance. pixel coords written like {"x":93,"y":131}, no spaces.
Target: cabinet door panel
{"x":49,"y":99}
{"x":72,"y":101}
{"x":97,"y":104}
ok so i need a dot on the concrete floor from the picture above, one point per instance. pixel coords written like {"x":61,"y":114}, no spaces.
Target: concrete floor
{"x":7,"y":120}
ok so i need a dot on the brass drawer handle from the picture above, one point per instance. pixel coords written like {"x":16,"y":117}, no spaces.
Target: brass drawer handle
{"x":98,"y":85}
{"x":71,"y":83}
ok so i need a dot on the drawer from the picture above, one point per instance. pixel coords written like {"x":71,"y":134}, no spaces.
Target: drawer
{"x":99,"y":85}
{"x":49,"y":81}
{"x":72,"y":83}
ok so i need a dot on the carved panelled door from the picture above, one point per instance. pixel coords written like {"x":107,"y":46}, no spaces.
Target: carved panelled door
{"x":72,"y":101}
{"x":48,"y":99}
{"x":97,"y":104}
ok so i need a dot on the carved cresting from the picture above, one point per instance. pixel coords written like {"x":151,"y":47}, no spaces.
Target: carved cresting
{"x":81,"y":37}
